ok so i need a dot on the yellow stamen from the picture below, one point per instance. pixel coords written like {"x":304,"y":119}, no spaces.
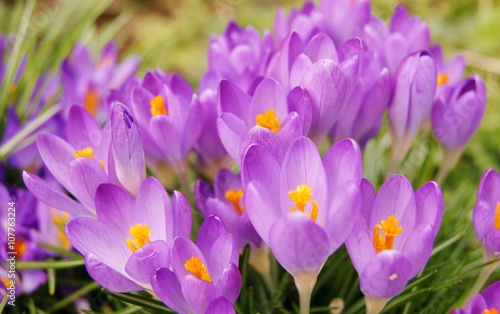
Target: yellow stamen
{"x":390,"y":229}
{"x":300,"y":197}
{"x":490,"y":311}
{"x":158,"y":106}
{"x":86,"y":152}
{"x":5,"y":281}
{"x":20,"y":248}
{"x":140,"y":236}
{"x":196,"y":267}
{"x":91,"y":101}
{"x":234,"y":197}
{"x":497,"y":217}
{"x":60,"y":222}
{"x":269,"y":120}
{"x":442,"y":78}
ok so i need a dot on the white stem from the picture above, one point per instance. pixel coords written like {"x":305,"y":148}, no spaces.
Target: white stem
{"x":375,"y":305}
{"x":259,"y":259}
{"x":450,"y":159}
{"x":305,"y":282}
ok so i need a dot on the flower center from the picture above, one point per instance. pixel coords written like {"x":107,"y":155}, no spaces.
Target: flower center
{"x":269,"y":120}
{"x":87,"y":152}
{"x":60,"y":222}
{"x":490,"y":311}
{"x":300,"y":197}
{"x":20,"y":248}
{"x":442,"y":78}
{"x":234,"y":197}
{"x":91,"y":101}
{"x":140,"y":236}
{"x":158,"y":106}
{"x":390,"y":230}
{"x":195,"y":266}
{"x":497,"y":217}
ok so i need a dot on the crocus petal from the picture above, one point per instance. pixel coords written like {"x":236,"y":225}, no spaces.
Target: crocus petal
{"x":86,"y":175}
{"x":124,"y":70}
{"x":167,"y":288}
{"x":298,"y":243}
{"x":488,"y":187}
{"x":128,"y":152}
{"x":164,"y":128}
{"x":197,"y":293}
{"x":367,"y":198}
{"x":211,"y":229}
{"x":260,"y":164}
{"x":262,"y":214}
{"x":108,"y":277}
{"x":430,"y":205}
{"x":116,"y":208}
{"x":146,"y":260}
{"x":233,"y":100}
{"x":182,"y":250}
{"x":50,"y":196}
{"x":321,"y":47}
{"x":268,"y":95}
{"x":182,"y":215}
{"x":482,"y":219}
{"x":300,"y":102}
{"x":83,"y":130}
{"x":386,"y":275}
{"x":343,"y":164}
{"x":359,"y":245}
{"x":492,"y":241}
{"x":224,"y":251}
{"x":491,"y":294}
{"x":395,"y":198}
{"x":418,"y":248}
{"x":229,"y":284}
{"x":231,"y":130}
{"x":220,"y":306}
{"x":476,"y":304}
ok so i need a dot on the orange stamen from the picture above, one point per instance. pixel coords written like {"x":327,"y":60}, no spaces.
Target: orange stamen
{"x":442,"y":78}
{"x":269,"y":120}
{"x":158,"y":106}
{"x":140,"y":236}
{"x":234,"y":197}
{"x":390,"y":229}
{"x":196,"y":267}
{"x":301,"y":197}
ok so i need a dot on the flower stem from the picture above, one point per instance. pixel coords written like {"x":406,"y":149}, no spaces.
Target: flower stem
{"x":375,"y":305}
{"x":305,"y":281}
{"x":481,"y":280}
{"x":450,"y":159}
{"x":259,"y":259}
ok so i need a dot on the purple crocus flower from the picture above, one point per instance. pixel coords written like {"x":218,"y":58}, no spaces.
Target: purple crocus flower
{"x":166,"y":110}
{"x":303,"y":208}
{"x":345,"y":19}
{"x":90,"y":157}
{"x":263,"y":118}
{"x":486,"y":214}
{"x":130,"y":238}
{"x":306,"y":22}
{"x":239,"y":55}
{"x":450,"y":73}
{"x":226,"y":200}
{"x":361,"y":117}
{"x":488,"y":302}
{"x":204,"y":277}
{"x":88,"y":83}
{"x":456,"y":115}
{"x":415,"y":84}
{"x":393,"y":237}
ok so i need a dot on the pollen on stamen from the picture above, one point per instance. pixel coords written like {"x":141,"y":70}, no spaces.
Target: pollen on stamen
{"x":158,"y":106}
{"x":86,"y":152}
{"x":300,"y":198}
{"x":195,"y":266}
{"x":442,"y":78}
{"x":390,"y":229}
{"x":496,"y":224}
{"x":490,"y":311}
{"x":269,"y":120}
{"x":140,"y":236}
{"x":234,"y":197}
{"x":91,"y":101}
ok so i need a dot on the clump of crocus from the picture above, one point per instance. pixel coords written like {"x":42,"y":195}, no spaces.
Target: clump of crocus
{"x":393,"y":237}
{"x":488,"y":302}
{"x":131,"y":237}
{"x":89,"y":157}
{"x":456,"y":115}
{"x":88,"y":83}
{"x":203,"y":277}
{"x":303,"y":208}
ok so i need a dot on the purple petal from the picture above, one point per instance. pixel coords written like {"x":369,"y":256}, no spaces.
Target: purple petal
{"x":211,"y":229}
{"x":482,"y":219}
{"x":220,"y":306}
{"x":231,"y":130}
{"x":343,"y":164}
{"x":367,"y":197}
{"x":145,"y":261}
{"x":164,"y":128}
{"x":268,"y":95}
{"x":224,"y":251}
{"x":128,"y":152}
{"x":300,"y":102}
{"x":124,"y":71}
{"x":198,"y":293}
{"x":430,"y":205}
{"x":262,"y":214}
{"x":116,"y":208}
{"x":321,"y":47}
{"x":386,"y":275}
{"x":259,"y":164}
{"x":153,"y":207}
{"x":168,"y":289}
{"x":298,"y":243}
{"x":182,"y":215}
{"x":229,"y":285}
{"x":359,"y":245}
{"x":492,"y":241}
{"x":83,"y":130}
{"x":488,"y":187}
{"x":182,"y":250}
{"x":233,"y":100}
{"x":86,"y":175}
{"x":491,"y":295}
{"x":108,"y":277}
{"x":476,"y":304}
{"x":418,"y":247}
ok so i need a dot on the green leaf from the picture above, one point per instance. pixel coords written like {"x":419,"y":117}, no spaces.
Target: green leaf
{"x":143,"y":301}
{"x":59,"y":264}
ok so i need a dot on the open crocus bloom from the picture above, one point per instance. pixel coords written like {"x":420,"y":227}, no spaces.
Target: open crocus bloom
{"x":130,"y":238}
{"x":393,"y":238}
{"x":201,"y":273}
{"x":487,"y":302}
{"x":303,"y":209}
{"x":486,"y":215}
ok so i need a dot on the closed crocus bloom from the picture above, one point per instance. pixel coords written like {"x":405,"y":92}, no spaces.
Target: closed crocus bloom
{"x":262,"y":118}
{"x":130,"y":238}
{"x":167,"y":111}
{"x":87,"y":83}
{"x":488,"y":302}
{"x":306,"y":22}
{"x":456,"y":115}
{"x":344,"y":19}
{"x":371,"y":85}
{"x":239,"y":55}
{"x":84,"y":161}
{"x":203,"y":277}
{"x":393,"y":238}
{"x":415,"y":84}
{"x":486,"y":215}
{"x":303,"y":209}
